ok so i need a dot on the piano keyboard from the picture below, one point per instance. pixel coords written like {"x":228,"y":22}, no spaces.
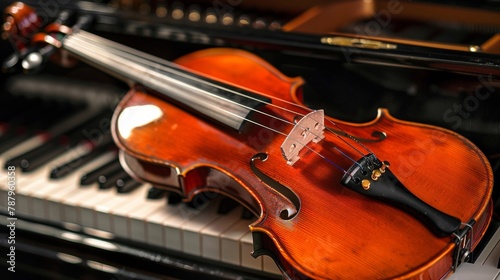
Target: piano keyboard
{"x":73,"y":178}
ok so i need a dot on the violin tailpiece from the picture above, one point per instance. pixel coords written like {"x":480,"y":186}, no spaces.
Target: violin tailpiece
{"x":372,"y":177}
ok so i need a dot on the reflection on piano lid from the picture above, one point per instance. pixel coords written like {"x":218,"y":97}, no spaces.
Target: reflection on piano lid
{"x":71,"y":189}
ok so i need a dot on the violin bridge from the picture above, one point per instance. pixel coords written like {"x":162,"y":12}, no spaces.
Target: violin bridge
{"x":310,"y":128}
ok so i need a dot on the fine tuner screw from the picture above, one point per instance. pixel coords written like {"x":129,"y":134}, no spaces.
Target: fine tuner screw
{"x":376,"y":173}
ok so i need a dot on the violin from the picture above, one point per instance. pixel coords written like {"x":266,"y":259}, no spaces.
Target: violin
{"x":334,"y":200}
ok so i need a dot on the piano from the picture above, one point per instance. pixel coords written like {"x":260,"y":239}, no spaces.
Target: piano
{"x":78,"y":214}
{"x":56,"y":151}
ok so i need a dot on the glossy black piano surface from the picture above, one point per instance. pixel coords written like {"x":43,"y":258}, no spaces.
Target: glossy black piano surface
{"x":66,"y":111}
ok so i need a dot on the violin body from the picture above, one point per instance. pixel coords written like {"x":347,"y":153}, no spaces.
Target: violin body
{"x":310,"y":221}
{"x":317,"y":228}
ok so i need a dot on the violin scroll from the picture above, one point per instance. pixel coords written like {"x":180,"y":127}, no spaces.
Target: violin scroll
{"x":20,"y":23}
{"x":32,"y":47}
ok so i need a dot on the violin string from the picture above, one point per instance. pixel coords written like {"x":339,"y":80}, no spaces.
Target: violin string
{"x":95,"y":47}
{"x":137,"y":60}
{"x":350,"y":137}
{"x":155,"y":62}
{"x":168,"y":66}
{"x":281,"y":133}
{"x":269,"y":128}
{"x":149,"y":63}
{"x":83,"y":43}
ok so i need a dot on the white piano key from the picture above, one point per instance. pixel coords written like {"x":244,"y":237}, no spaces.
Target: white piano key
{"x":38,"y":199}
{"x":90,"y":206}
{"x":172,"y":235}
{"x":69,"y":201}
{"x":247,"y":260}
{"x":23,"y":194}
{"x":23,"y":190}
{"x":86,"y":206}
{"x":3,"y":197}
{"x":53,"y":203}
{"x":269,"y":265}
{"x":71,"y":185}
{"x":172,"y":226}
{"x":103,"y":210}
{"x":211,"y":234}
{"x":47,"y":187}
{"x":71,"y":204}
{"x":19,"y":149}
{"x":31,"y":183}
{"x":154,"y":224}
{"x":55,"y":209}
{"x":118,"y":215}
{"x":137,"y":218}
{"x":230,"y":243}
{"x":42,"y":173}
{"x":96,"y":210}
{"x":191,"y":229}
{"x":4,"y":194}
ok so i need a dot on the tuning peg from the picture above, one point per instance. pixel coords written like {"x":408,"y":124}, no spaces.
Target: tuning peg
{"x":32,"y":62}
{"x":11,"y":64}
{"x":26,"y":59}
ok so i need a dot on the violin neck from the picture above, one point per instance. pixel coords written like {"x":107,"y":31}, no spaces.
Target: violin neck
{"x":218,"y":101}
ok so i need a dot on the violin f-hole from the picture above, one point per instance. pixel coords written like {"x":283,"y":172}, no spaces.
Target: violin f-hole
{"x":285,"y":214}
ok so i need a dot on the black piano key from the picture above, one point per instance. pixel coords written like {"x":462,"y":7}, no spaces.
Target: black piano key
{"x":89,"y":130}
{"x":126,"y":184}
{"x":247,"y":214}
{"x":53,"y":147}
{"x":39,"y":156}
{"x":9,"y":139}
{"x":36,"y":128}
{"x":12,"y":105}
{"x":86,"y":129}
{"x":226,"y":205}
{"x":93,"y":176}
{"x":107,"y":181}
{"x":31,"y":111}
{"x":174,"y":198}
{"x":16,"y":161}
{"x":8,"y":105}
{"x":156,"y":193}
{"x":30,"y":164}
{"x":201,"y":200}
{"x":69,"y":167}
{"x":9,"y":130}
{"x":51,"y":114}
